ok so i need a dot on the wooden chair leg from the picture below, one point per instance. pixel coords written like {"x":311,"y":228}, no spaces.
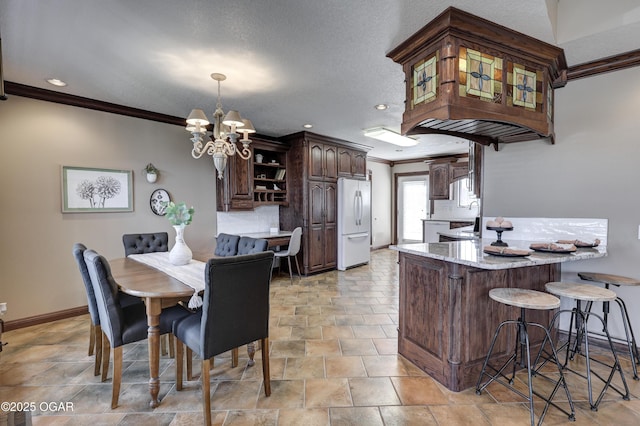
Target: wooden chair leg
{"x":179,"y":365}
{"x":234,"y":357}
{"x":163,"y":345}
{"x":106,"y":346}
{"x":171,"y":342}
{"x":97,"y":337}
{"x":206,"y":388}
{"x":117,"y":375}
{"x":92,"y":337}
{"x":265,"y":366}
{"x":189,"y":361}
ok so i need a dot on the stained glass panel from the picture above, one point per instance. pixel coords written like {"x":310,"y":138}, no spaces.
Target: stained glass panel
{"x":425,"y":81}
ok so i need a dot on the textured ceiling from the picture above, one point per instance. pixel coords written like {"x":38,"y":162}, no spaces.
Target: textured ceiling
{"x":288,"y":62}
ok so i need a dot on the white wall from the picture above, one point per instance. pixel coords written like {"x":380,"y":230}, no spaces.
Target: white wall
{"x":381,"y":206}
{"x":38,"y":274}
{"x":591,"y":171}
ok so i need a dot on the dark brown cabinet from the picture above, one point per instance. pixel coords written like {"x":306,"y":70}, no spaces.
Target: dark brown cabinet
{"x":351,"y":163}
{"x":249,"y":183}
{"x":314,"y":163}
{"x":439,"y":181}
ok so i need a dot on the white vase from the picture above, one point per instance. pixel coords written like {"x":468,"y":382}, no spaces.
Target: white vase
{"x":152,"y":177}
{"x":180,"y":254}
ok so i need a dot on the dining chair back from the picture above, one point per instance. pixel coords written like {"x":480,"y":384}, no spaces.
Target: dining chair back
{"x":226,"y":245}
{"x":249,"y":245}
{"x":292,"y":251}
{"x":145,"y":243}
{"x":120,"y":324}
{"x":235,"y":312}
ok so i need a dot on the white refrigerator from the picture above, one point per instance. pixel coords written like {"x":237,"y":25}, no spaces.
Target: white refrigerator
{"x":354,"y":222}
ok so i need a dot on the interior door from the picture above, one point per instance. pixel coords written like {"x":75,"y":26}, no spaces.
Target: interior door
{"x":413,"y":206}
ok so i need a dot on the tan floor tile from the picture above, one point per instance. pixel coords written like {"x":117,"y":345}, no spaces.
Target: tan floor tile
{"x":305,"y":333}
{"x":357,"y":347}
{"x":369,"y":416}
{"x":459,"y":415}
{"x":349,"y":319}
{"x":373,"y":391}
{"x":304,"y":368}
{"x":252,"y":418}
{"x":418,"y":391}
{"x":320,"y":393}
{"x":345,"y":366}
{"x":368,"y":331}
{"x":321,"y":319}
{"x":407,"y":415}
{"x":385,"y":365}
{"x":308,"y":417}
{"x":336,"y":332}
{"x":235,"y":395}
{"x":378,"y":319}
{"x":284,"y":349}
{"x":292,"y":320}
{"x":386,"y":346}
{"x":323,"y":348}
{"x":284,"y":394}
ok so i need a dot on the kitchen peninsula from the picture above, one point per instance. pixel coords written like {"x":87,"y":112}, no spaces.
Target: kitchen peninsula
{"x":446,"y":318}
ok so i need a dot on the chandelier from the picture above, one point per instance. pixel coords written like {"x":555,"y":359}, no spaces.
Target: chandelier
{"x":223,"y":143}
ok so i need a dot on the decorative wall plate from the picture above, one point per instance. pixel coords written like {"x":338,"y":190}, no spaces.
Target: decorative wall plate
{"x":157,"y":198}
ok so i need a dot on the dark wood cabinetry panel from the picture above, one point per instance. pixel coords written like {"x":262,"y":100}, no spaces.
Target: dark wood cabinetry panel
{"x":314,"y":163}
{"x":439,"y":181}
{"x":234,"y":191}
{"x":447,"y":319}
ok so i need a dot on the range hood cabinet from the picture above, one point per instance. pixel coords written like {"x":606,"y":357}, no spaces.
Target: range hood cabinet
{"x":470,"y":78}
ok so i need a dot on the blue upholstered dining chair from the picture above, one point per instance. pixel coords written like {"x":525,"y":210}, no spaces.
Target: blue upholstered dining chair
{"x":226,"y":245}
{"x":235,"y":312}
{"x":145,"y":243}
{"x":95,"y":331}
{"x":120,"y":325}
{"x":248,"y":245}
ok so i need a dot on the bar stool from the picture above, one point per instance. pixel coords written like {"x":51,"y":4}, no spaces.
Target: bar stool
{"x":524,"y":299}
{"x":617,"y":280}
{"x":587,"y":293}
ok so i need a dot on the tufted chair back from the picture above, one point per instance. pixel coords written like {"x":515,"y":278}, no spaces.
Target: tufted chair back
{"x":226,"y":245}
{"x":145,"y":243}
{"x":248,"y":245}
{"x":78,"y":254}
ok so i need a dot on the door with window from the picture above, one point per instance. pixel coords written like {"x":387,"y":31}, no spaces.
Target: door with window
{"x":412,"y":207}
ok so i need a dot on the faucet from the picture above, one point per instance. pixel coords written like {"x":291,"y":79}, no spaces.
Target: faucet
{"x":476,"y":225}
{"x":474,"y":202}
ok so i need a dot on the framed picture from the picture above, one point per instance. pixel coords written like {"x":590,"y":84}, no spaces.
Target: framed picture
{"x":87,"y":189}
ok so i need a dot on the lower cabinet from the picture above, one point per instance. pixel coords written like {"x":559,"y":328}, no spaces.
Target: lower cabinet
{"x":321,"y":245}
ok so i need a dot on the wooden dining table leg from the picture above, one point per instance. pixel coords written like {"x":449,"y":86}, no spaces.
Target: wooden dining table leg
{"x":154,"y":307}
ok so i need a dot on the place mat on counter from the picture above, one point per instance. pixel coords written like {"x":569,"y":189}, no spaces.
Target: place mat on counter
{"x":553,"y":247}
{"x":579,"y":243}
{"x":506,"y":251}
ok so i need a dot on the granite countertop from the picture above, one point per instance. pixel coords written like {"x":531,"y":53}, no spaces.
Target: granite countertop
{"x":470,"y":253}
{"x":464,"y":233}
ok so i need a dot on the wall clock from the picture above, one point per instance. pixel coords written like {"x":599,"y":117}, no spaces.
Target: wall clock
{"x":157,"y":198}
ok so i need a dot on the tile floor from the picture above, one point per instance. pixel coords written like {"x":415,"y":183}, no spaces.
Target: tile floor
{"x":333,"y":361}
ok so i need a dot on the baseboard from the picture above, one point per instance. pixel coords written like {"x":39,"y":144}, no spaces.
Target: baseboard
{"x":384,"y":246}
{"x":599,"y":341}
{"x":45,"y":318}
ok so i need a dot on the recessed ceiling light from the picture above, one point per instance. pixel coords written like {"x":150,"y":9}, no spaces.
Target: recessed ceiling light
{"x":307,"y":126}
{"x":381,"y":107}
{"x":56,"y":82}
{"x":390,"y":136}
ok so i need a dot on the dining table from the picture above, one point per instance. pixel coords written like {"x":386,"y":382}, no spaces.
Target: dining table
{"x":158,"y":290}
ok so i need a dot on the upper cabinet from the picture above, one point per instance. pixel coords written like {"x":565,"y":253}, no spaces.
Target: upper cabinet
{"x":352,"y":163}
{"x":442,"y":174}
{"x":323,"y":161}
{"x":261,"y":180}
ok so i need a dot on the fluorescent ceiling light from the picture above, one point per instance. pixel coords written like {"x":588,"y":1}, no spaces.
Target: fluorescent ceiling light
{"x":389,"y":136}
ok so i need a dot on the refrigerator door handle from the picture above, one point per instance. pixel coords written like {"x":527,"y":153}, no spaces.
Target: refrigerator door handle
{"x":360,"y":235}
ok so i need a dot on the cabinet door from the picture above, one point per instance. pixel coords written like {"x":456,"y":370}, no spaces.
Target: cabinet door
{"x":330,"y":246}
{"x":345,"y":162}
{"x":316,"y":160}
{"x":330,"y":204}
{"x":359,"y":164}
{"x":331,"y":162}
{"x":316,"y":203}
{"x":235,"y":190}
{"x":439,"y":181}
{"x":458,"y":171}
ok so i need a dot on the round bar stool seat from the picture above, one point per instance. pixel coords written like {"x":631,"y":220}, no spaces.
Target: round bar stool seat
{"x":524,"y":299}
{"x":619,"y":280}
{"x":584,"y":292}
{"x":587,"y":293}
